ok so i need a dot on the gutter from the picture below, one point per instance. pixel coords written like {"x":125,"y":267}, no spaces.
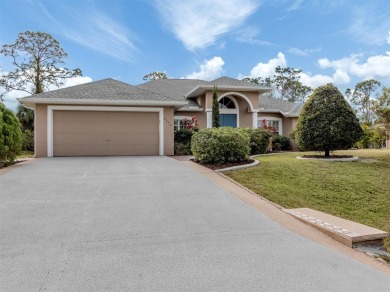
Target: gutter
{"x":32,"y":101}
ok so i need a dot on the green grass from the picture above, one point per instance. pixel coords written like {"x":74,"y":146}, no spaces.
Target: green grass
{"x":358,"y":191}
{"x":25,"y":154}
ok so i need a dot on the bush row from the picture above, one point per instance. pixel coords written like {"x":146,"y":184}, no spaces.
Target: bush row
{"x":10,"y":136}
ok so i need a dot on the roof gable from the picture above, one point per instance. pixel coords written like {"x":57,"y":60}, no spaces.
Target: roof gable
{"x":174,"y":88}
{"x":228,"y":81}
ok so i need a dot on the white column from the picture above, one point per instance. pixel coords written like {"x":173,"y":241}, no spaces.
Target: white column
{"x":254,"y":120}
{"x":209,"y":118}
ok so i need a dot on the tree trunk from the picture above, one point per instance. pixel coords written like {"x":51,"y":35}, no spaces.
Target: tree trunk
{"x":327,"y":153}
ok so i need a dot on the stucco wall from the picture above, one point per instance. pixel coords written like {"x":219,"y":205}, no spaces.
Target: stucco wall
{"x":245,"y":117}
{"x":253,"y":97}
{"x":40,"y":130}
{"x":289,"y":124}
{"x":168,"y":131}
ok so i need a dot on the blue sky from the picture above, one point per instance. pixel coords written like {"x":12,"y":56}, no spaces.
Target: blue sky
{"x":339,"y":41}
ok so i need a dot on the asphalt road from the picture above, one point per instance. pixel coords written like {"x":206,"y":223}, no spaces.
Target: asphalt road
{"x":152,"y":224}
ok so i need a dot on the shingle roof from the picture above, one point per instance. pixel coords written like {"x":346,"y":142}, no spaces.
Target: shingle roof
{"x":284,"y":106}
{"x":174,"y":88}
{"x":106,"y":89}
{"x":227,"y":81}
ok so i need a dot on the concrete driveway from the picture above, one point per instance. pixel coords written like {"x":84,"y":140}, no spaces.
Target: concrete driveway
{"x":152,"y":224}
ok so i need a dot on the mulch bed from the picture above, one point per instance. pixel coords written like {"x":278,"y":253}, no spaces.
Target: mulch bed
{"x":216,"y":166}
{"x":323,"y":157}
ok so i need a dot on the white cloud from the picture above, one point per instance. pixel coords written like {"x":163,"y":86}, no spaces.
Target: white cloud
{"x":209,"y":69}
{"x":304,"y":52}
{"x":249,"y":34}
{"x":198,"y":24}
{"x":268,"y":69}
{"x":388,"y":38}
{"x":93,"y":29}
{"x":377,"y":66}
{"x":295,"y":5}
{"x":339,"y":77}
{"x":370,"y":22}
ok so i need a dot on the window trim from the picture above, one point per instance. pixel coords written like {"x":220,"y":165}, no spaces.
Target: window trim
{"x":280,"y":120}
{"x":180,"y":118}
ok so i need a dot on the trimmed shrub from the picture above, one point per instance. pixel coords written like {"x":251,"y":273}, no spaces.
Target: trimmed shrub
{"x":280,"y":142}
{"x":259,"y":140}
{"x":182,"y":144}
{"x":10,"y":136}
{"x":28,"y":140}
{"x":327,"y":122}
{"x":219,"y":145}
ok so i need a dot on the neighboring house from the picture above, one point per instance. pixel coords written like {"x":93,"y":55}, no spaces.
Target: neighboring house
{"x":109,"y":117}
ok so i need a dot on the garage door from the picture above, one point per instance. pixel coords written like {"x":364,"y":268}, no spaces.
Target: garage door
{"x":91,"y":133}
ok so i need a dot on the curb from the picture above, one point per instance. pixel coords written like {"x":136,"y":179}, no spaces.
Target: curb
{"x":254,"y":163}
{"x":354,"y":158}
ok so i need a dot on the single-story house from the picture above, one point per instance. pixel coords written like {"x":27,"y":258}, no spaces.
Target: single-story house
{"x":109,"y":117}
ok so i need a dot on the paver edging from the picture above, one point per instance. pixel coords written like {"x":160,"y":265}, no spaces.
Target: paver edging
{"x":350,"y":159}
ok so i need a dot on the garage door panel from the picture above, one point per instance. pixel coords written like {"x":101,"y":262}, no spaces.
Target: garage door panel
{"x":81,"y":133}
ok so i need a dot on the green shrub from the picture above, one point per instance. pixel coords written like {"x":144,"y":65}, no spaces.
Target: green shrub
{"x":27,"y":140}
{"x":327,"y":122}
{"x":259,"y":140}
{"x":280,"y":142}
{"x":218,"y":145}
{"x":182,"y":142}
{"x":373,"y":137}
{"x":10,"y":136}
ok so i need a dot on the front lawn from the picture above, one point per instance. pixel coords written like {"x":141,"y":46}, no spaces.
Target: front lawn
{"x":358,"y":191}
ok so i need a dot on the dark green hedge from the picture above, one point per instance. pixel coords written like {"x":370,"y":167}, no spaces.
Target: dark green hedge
{"x":219,"y":145}
{"x":10,"y":136}
{"x":259,"y":140}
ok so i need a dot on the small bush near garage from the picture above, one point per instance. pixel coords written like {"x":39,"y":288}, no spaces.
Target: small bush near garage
{"x":27,"y":140}
{"x":182,"y":144}
{"x":280,"y":142}
{"x":259,"y":140}
{"x":220,"y":145}
{"x":10,"y":136}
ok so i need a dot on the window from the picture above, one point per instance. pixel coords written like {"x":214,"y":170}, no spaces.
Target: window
{"x":275,"y":123}
{"x":226,"y":103}
{"x":178,"y":122}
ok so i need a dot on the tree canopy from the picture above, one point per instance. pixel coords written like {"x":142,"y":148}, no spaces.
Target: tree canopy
{"x":286,"y":84}
{"x":155,"y":75}
{"x":382,"y":107}
{"x":327,"y":122}
{"x":362,"y":96}
{"x":38,"y":60}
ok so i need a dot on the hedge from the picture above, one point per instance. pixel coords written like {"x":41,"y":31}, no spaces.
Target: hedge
{"x":259,"y":140}
{"x":10,"y":136}
{"x":219,"y":145}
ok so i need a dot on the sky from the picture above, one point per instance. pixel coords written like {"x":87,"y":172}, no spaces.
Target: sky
{"x":338,"y":41}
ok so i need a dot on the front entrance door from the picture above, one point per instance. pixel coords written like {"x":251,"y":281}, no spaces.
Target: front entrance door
{"x":228,"y":120}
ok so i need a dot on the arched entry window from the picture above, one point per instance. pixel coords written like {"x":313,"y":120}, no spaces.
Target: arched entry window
{"x":226,"y":103}
{"x":228,"y":112}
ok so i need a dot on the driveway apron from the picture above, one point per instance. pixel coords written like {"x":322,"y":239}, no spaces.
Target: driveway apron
{"x":152,"y":224}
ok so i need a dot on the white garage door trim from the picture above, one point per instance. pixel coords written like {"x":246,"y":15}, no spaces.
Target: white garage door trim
{"x":52,"y":108}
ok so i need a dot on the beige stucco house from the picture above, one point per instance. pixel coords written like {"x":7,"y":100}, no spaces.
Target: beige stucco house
{"x":109,"y":117}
